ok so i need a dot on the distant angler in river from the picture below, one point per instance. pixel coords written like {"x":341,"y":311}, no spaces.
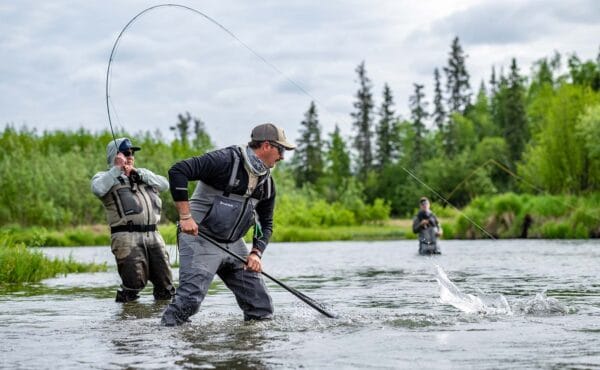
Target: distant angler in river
{"x":428,"y":228}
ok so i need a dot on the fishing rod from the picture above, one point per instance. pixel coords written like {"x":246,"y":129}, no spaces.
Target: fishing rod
{"x":211,"y":20}
{"x":447,"y":202}
{"x":311,"y":302}
{"x":303,"y":297}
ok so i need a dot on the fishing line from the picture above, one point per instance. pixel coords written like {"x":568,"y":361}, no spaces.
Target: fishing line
{"x":311,"y":302}
{"x":447,"y":202}
{"x":253,"y":52}
{"x":211,"y":20}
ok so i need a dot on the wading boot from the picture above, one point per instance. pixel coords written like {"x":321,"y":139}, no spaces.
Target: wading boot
{"x":163,"y":295}
{"x":126,"y":296}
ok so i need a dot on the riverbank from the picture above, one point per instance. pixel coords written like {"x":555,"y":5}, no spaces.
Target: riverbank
{"x":95,"y":235}
{"x":502,"y":216}
{"x":19,"y":264}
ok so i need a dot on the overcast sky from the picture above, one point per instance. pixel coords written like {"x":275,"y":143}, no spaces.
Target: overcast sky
{"x":54,"y":57}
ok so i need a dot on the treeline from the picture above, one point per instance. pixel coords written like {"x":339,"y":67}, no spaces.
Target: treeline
{"x":517,"y":133}
{"x":45,"y":177}
{"x":521,"y":134}
{"x":45,"y":180}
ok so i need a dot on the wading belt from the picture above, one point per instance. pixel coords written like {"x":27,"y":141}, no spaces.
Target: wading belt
{"x":132,"y":228}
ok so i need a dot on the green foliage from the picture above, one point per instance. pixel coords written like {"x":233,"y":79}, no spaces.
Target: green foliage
{"x":418,"y":114}
{"x":552,"y":216}
{"x":363,"y":122}
{"x":286,"y":233}
{"x":457,"y":79}
{"x":587,"y":130}
{"x":308,"y":156}
{"x":45,"y":179}
{"x":439,"y":112}
{"x":584,"y":73}
{"x":514,"y":127}
{"x":480,"y":115}
{"x":530,"y":137}
{"x":562,"y":230}
{"x":19,"y":264}
{"x":556,"y":160}
{"x":384,"y":130}
{"x":506,"y":203}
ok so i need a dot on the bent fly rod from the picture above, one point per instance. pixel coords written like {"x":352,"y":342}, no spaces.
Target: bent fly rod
{"x":206,"y":17}
{"x":311,"y":302}
{"x":303,"y":297}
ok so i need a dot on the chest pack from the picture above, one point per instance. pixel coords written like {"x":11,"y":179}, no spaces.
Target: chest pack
{"x":229,"y":216}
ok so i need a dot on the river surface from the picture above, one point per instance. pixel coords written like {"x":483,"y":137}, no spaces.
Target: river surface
{"x":480,"y":305}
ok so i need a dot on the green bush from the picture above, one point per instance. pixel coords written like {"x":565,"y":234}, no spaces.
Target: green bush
{"x":553,"y":216}
{"x":548,"y":206}
{"x":19,"y":264}
{"x":555,"y":230}
{"x":506,"y":203}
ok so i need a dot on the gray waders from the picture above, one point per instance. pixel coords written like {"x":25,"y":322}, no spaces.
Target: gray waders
{"x":200,"y":262}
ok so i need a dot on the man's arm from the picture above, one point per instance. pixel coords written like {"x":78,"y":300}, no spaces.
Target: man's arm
{"x":102,"y":182}
{"x":195,"y":168}
{"x":438,"y":226}
{"x":264,"y":210}
{"x":152,"y":179}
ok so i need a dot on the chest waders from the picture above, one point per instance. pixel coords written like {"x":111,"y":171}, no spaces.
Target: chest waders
{"x":132,"y":207}
{"x":428,"y":241}
{"x":222,"y":215}
{"x":133,"y":212}
{"x":223,"y":219}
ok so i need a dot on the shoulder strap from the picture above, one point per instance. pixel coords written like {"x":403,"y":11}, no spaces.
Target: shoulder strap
{"x":269,"y":188}
{"x":234,"y":171}
{"x":266,"y":178}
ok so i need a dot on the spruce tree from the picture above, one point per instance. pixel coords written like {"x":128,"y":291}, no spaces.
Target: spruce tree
{"x":385,"y":128}
{"x":338,"y":159}
{"x":480,"y":114}
{"x":515,"y":128}
{"x":363,"y":120}
{"x":493,"y":83}
{"x":182,"y":128}
{"x":201,"y":140}
{"x":457,"y":80}
{"x":308,"y":157}
{"x":439,"y":114}
{"x":418,"y":115}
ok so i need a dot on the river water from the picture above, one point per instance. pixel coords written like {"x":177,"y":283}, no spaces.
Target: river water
{"x":482,"y":304}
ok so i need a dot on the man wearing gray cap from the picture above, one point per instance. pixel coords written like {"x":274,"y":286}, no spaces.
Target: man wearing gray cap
{"x":235,"y":191}
{"x":130,"y":198}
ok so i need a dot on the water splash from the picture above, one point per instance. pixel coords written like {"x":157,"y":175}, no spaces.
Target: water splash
{"x":494,"y":304}
{"x":540,"y":305}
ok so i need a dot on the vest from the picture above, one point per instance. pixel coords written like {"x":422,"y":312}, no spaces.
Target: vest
{"x":137,"y":204}
{"x":222,"y":215}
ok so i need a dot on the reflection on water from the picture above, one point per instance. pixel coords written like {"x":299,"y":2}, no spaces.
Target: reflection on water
{"x":396,"y":310}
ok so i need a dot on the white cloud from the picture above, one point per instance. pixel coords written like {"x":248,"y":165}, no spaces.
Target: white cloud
{"x":171,"y":61}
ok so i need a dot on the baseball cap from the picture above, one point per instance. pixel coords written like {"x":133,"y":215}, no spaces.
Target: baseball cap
{"x":126,"y":145}
{"x":270,"y":132}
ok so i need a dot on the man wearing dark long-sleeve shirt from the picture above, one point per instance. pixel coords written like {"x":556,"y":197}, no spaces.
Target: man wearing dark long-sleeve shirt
{"x":235,"y":191}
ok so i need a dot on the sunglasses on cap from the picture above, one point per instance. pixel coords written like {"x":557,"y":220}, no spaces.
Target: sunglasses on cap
{"x":280,"y":148}
{"x":128,"y":153}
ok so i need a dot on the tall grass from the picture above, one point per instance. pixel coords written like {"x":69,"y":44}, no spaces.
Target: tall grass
{"x":19,"y":264}
{"x":551,"y":216}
